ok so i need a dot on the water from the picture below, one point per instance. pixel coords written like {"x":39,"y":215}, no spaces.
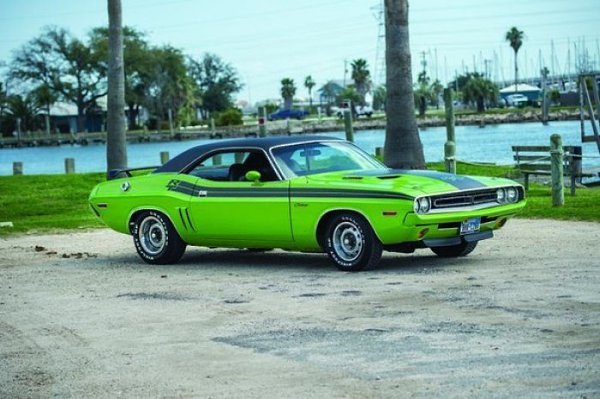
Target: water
{"x":490,"y":144}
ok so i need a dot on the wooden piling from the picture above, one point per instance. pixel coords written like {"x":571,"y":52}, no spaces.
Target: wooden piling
{"x":379,"y":153}
{"x":164,"y":157}
{"x":69,"y":165}
{"x":262,"y":121}
{"x":348,"y":123}
{"x":556,"y":159}
{"x":450,"y":145}
{"x":17,"y":168}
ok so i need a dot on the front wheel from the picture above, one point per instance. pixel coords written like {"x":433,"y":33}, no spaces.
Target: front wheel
{"x":351,"y":243}
{"x":156,"y":240}
{"x":453,"y":251}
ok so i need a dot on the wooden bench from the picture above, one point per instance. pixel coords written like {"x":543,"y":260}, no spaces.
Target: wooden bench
{"x":535,"y":160}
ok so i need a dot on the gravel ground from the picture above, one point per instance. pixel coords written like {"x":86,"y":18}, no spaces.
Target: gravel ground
{"x":82,"y":316}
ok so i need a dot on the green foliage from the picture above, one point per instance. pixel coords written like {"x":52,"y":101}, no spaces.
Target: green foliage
{"x":216,"y":81}
{"x":515,"y":38}
{"x":309,"y":83}
{"x":361,"y":77}
{"x":230,"y":117}
{"x":26,"y":109}
{"x":288,"y":90}
{"x":349,"y":94}
{"x":379,"y":97}
{"x":71,"y":69}
{"x":138,"y":65}
{"x":479,"y":90}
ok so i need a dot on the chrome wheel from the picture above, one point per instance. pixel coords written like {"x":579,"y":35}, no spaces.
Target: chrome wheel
{"x":152,"y":236}
{"x":347,"y":241}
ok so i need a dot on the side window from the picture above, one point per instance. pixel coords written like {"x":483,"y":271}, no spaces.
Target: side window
{"x":217,"y":166}
{"x":233,"y":166}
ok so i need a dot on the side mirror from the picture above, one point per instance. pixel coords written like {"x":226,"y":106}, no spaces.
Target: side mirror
{"x":253,"y":176}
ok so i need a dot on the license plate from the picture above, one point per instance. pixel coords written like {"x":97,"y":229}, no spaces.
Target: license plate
{"x":470,"y":226}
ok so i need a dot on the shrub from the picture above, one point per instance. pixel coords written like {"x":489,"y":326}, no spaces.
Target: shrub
{"x":230,"y":117}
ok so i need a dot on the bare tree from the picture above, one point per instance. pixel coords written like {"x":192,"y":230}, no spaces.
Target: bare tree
{"x":403,"y":148}
{"x":116,"y":145}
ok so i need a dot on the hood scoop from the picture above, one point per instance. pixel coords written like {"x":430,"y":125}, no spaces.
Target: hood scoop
{"x":388,"y":177}
{"x":352,"y":177}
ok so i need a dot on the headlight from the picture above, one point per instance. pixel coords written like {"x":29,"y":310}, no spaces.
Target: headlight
{"x":416,"y":206}
{"x":500,"y":195}
{"x":511,"y":194}
{"x":423,"y":205}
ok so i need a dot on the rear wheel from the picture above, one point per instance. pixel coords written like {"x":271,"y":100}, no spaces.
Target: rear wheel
{"x":351,"y":243}
{"x":156,"y":240}
{"x":462,"y":249}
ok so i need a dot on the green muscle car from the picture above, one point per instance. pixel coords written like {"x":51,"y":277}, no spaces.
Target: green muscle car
{"x":309,"y":194}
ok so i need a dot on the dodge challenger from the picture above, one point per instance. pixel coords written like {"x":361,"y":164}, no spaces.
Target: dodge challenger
{"x":308,"y":194}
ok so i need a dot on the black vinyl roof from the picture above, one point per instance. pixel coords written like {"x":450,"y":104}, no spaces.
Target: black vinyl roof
{"x":185,"y":158}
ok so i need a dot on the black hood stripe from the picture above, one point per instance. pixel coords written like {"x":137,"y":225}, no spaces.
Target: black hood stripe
{"x":458,"y":181}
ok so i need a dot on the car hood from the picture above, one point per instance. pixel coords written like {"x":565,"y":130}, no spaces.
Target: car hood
{"x":412,"y":183}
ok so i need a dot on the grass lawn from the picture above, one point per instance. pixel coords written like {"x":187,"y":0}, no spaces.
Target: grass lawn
{"x":39,"y":203}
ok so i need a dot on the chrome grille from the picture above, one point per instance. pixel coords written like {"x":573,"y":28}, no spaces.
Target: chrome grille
{"x":463,"y":199}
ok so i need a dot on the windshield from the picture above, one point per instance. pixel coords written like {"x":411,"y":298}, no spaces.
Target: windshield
{"x":312,"y":158}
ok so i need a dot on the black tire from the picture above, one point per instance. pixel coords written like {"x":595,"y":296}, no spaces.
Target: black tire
{"x":462,"y":249}
{"x":156,"y":240}
{"x":351,"y":243}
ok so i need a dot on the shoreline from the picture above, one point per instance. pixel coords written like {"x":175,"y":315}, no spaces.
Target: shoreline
{"x":280,"y":128}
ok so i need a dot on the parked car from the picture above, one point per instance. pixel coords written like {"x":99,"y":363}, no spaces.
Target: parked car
{"x":288,"y":114}
{"x":309,"y":194}
{"x":516,"y":100}
{"x":359,"y":110}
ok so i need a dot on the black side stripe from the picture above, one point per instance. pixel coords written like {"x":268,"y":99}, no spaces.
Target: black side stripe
{"x":242,"y":192}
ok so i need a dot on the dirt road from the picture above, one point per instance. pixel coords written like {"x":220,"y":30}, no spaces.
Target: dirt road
{"x":82,"y":316}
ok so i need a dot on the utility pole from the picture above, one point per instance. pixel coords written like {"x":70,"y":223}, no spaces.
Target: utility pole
{"x":544,"y":72}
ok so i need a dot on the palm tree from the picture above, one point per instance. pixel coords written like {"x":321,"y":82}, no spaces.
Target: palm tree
{"x":403,"y":148}
{"x":361,"y":77}
{"x":515,"y":38}
{"x":309,"y":83}
{"x":288,"y":90}
{"x":116,"y":146}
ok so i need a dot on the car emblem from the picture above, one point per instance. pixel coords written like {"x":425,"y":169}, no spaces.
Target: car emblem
{"x":125,"y":186}
{"x":202,"y":193}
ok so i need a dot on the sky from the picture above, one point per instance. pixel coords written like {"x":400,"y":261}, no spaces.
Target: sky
{"x":268,"y":40}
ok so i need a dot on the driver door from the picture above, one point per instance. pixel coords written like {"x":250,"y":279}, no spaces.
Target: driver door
{"x":227,"y":208}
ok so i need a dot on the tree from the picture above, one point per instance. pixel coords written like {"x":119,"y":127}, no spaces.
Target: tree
{"x":329,"y":92}
{"x":169,"y":87}
{"x":216,"y":80}
{"x":437,"y":89}
{"x":25,"y":109}
{"x":44,"y":98}
{"x":137,"y":62}
{"x":361,"y":77}
{"x":349,"y":94}
{"x":3,"y":104}
{"x":71,"y":69}
{"x":379,"y":97}
{"x":479,"y":90}
{"x":288,"y":90}
{"x":422,"y":93}
{"x":515,"y":38}
{"x":309,"y":83}
{"x":116,"y":144}
{"x":403,"y":148}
